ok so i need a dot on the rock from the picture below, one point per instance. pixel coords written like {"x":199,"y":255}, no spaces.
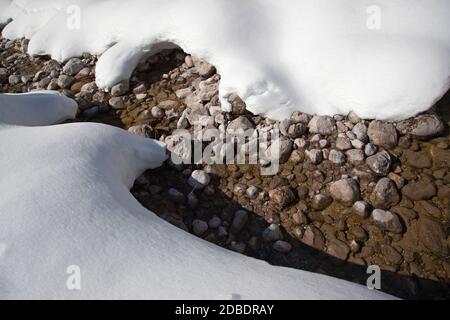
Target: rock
{"x":65,"y":81}
{"x":272,"y":233}
{"x":357,"y":144}
{"x":380,"y":163}
{"x":157,"y":113}
{"x":238,"y":246}
{"x":239,"y":221}
{"x":370,"y":149}
{"x":240,"y":123}
{"x":73,"y":66}
{"x":192,"y":200}
{"x":14,"y":79}
{"x":300,"y":143}
{"x":427,"y":207}
{"x":323,"y":143}
{"x":183,"y":93}
{"x":140,"y":89}
{"x":315,"y":155}
{"x":360,"y":131}
{"x":199,"y":227}
{"x":199,"y":179}
{"x":391,"y":255}
{"x":296,"y":130}
{"x":238,"y":106}
{"x":300,"y":218}
{"x":358,"y":233}
{"x":321,"y":201}
{"x":323,"y":125}
{"x":362,"y":209}
{"x":90,"y":87}
{"x":338,"y":249}
{"x":421,"y":190}
{"x":252,"y":192}
{"x":353,"y":117}
{"x":423,"y":126}
{"x":204,"y":68}
{"x":314,"y":238}
{"x":284,"y":153}
{"x":117,"y":103}
{"x":144,"y":130}
{"x":343,"y":143}
{"x":355,"y":156}
{"x":419,"y":160}
{"x":432,"y":236}
{"x":382,"y":134}
{"x":214,"y":222}
{"x":385,"y":194}
{"x":387,"y":220}
{"x":337,"y":157}
{"x":120,"y":89}
{"x":282,"y":246}
{"x":282,"y":196}
{"x":176,"y":196}
{"x":345,"y":191}
{"x":299,"y":117}
{"x":398,"y":180}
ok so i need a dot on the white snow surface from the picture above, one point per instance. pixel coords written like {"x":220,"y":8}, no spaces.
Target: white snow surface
{"x":316,"y":56}
{"x":65,"y":201}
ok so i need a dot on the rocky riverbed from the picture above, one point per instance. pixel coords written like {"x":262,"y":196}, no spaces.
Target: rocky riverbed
{"x":349,"y":192}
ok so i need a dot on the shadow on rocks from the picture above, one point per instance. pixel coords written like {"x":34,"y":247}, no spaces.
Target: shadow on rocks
{"x":209,"y":214}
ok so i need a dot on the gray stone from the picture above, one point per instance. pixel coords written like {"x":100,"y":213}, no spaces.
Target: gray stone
{"x":343,"y":143}
{"x":383,"y":134}
{"x":116,"y":103}
{"x":370,"y":149}
{"x":214,"y":222}
{"x":240,"y":123}
{"x":355,"y":156}
{"x":315,"y":155}
{"x":272,"y":233}
{"x":387,"y":220}
{"x":65,"y":81}
{"x":120,"y":89}
{"x":157,"y":113}
{"x":337,"y":157}
{"x":282,"y":196}
{"x":199,"y":227}
{"x":360,"y":131}
{"x":362,"y":209}
{"x":345,"y":191}
{"x":73,"y":66}
{"x":385,"y":194}
{"x":423,"y":126}
{"x":338,"y":249}
{"x":380,"y":163}
{"x":313,"y":237}
{"x":323,"y":125}
{"x":432,"y":236}
{"x":282,"y":246}
{"x":199,"y":179}
{"x":239,"y":220}
{"x":176,"y":196}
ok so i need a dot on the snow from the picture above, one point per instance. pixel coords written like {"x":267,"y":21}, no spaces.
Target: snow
{"x":65,"y":206}
{"x":316,"y":56}
{"x":36,"y":108}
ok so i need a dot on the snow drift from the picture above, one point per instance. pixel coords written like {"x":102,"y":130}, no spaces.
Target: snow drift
{"x":380,"y":58}
{"x":65,"y":201}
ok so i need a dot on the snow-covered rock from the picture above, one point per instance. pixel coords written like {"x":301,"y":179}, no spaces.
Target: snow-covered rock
{"x":66,"y":209}
{"x":381,"y":59}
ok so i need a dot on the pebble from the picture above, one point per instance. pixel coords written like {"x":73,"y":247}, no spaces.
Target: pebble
{"x":345,"y":191}
{"x":120,"y":89}
{"x":199,"y":227}
{"x":323,"y":125}
{"x":362,"y":209}
{"x":282,"y":246}
{"x":355,"y":156}
{"x":239,"y":220}
{"x":315,"y":156}
{"x":272,"y":233}
{"x":387,"y":220}
{"x":380,"y":163}
{"x":157,"y":112}
{"x":385,"y":194}
{"x":176,"y":196}
{"x":420,"y":190}
{"x":199,"y":179}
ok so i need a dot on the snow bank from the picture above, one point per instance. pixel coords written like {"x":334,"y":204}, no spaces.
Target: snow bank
{"x":36,"y":108}
{"x":381,"y":58}
{"x":65,"y":202}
